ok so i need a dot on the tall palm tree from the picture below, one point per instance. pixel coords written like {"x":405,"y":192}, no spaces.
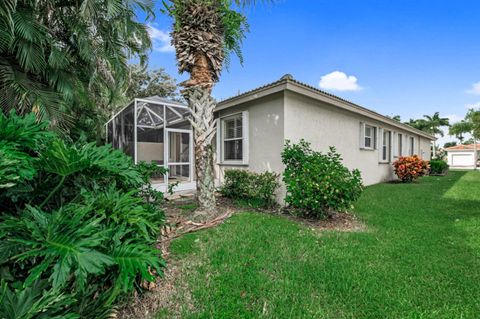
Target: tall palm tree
{"x":204,"y":34}
{"x":433,"y":126}
{"x":61,"y":59}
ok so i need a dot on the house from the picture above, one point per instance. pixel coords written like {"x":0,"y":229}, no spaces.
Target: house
{"x":462,"y":156}
{"x":252,"y":128}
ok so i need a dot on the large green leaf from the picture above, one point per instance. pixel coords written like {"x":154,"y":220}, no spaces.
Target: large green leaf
{"x":133,"y":259}
{"x":67,"y":240}
{"x":35,"y":301}
{"x":63,"y":160}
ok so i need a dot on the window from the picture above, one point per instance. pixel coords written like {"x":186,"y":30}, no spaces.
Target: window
{"x":412,"y":146}
{"x":400,"y":144}
{"x":232,"y":133}
{"x":370,"y":137}
{"x":386,"y":145}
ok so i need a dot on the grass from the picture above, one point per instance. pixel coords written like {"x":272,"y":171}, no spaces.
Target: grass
{"x":419,"y":258}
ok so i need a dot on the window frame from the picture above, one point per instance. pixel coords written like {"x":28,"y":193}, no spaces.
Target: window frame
{"x":221,"y":130}
{"x":411,"y":142}
{"x":388,"y":150}
{"x":373,"y":137}
{"x":399,"y":144}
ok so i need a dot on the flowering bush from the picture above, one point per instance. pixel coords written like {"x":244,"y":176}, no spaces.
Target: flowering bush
{"x":318,"y":184}
{"x":409,"y":168}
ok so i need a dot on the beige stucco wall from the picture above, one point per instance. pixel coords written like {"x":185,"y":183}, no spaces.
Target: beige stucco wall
{"x":324,"y":125}
{"x":265,"y":136}
{"x":288,"y":115}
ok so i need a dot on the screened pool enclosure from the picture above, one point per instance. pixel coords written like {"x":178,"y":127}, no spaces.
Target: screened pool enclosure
{"x":156,"y":130}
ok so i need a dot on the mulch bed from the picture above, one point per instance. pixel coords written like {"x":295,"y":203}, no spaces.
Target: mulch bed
{"x":344,"y":222}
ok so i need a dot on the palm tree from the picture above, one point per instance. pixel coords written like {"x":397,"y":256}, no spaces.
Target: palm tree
{"x":205,"y":32}
{"x":433,"y":124}
{"x":61,"y":59}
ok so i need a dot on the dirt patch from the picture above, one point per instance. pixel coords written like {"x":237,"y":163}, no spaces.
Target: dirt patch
{"x":166,"y":292}
{"x":164,"y":295}
{"x":344,"y":222}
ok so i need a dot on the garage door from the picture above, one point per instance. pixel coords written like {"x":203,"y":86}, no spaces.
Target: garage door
{"x":462,"y":159}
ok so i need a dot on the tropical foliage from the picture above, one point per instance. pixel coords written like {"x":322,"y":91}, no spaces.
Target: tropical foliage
{"x":409,"y":168}
{"x":257,"y":189}
{"x":318,"y":184}
{"x":430,"y":124}
{"x":78,"y":224}
{"x":67,"y":61}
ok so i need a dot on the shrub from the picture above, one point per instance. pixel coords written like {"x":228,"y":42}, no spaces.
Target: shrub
{"x":78,"y":224}
{"x":318,"y":184}
{"x":409,"y":168}
{"x":256,"y":189}
{"x":438,"y":166}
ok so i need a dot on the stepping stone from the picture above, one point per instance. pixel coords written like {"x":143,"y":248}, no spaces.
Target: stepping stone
{"x":173,"y":197}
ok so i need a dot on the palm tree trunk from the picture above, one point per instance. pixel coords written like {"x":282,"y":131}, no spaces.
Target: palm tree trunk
{"x":197,"y":92}
{"x":203,"y":123}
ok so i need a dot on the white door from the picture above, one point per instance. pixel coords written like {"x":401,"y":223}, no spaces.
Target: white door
{"x":179,"y":151}
{"x":464,"y":159}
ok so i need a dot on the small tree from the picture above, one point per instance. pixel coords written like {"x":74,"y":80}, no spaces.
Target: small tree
{"x":449,"y":144}
{"x":145,"y":83}
{"x":459,"y":129}
{"x":473,"y":117}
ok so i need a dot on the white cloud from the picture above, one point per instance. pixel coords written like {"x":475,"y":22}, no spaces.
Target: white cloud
{"x":160,"y":39}
{"x":475,"y":89}
{"x":339,"y":81}
{"x":453,"y":118}
{"x":473,"y":106}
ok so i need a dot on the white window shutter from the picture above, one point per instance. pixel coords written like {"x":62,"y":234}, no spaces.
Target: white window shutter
{"x":380,"y":143}
{"x":245,"y":132}
{"x":376,"y":137}
{"x":405,"y":146}
{"x":393,"y":145}
{"x":362,"y":135}
{"x":219,"y":141}
{"x":415,"y":146}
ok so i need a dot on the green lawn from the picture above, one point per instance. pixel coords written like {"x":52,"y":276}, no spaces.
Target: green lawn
{"x":419,"y":258}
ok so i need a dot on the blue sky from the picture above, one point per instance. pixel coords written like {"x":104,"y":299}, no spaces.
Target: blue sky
{"x":408,"y":57}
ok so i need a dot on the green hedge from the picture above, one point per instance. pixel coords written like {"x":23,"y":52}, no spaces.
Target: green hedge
{"x":438,"y":166}
{"x":253,"y":188}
